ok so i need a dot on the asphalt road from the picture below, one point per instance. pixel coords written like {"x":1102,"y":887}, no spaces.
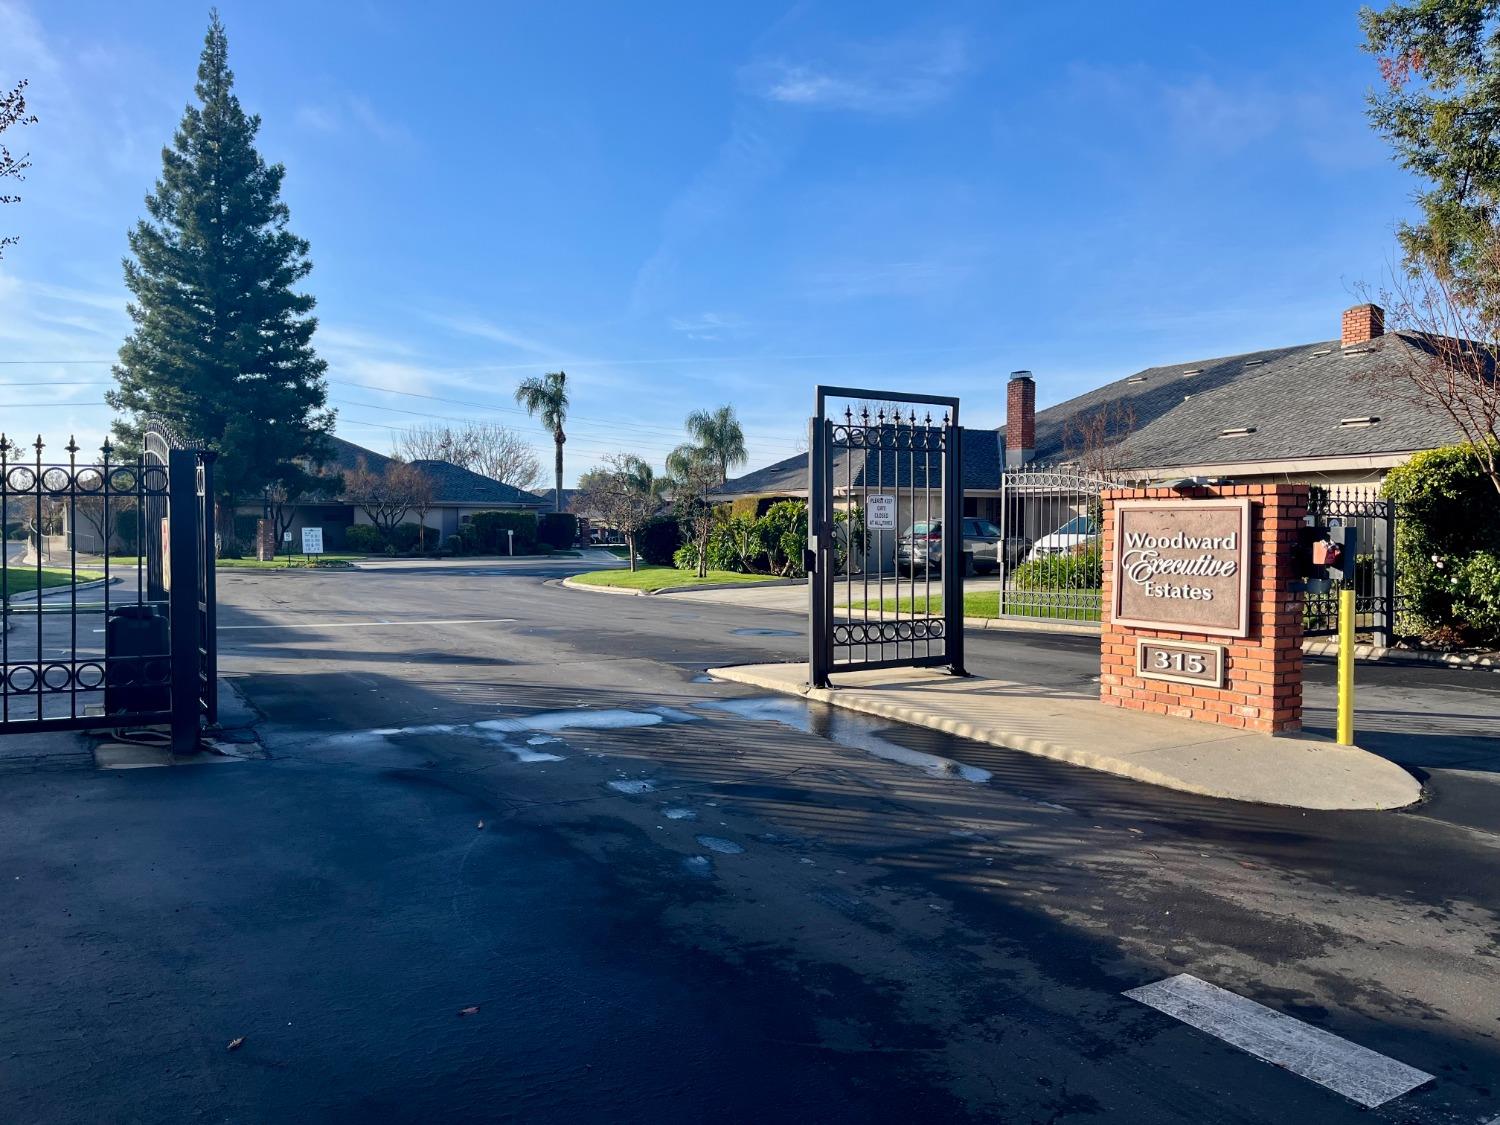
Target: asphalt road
{"x":501,"y":854}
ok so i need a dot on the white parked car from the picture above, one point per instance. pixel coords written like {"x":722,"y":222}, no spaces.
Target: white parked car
{"x":1075,"y":535}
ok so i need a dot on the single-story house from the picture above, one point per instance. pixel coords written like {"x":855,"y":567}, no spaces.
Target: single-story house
{"x":457,"y":493}
{"x":1330,"y":412}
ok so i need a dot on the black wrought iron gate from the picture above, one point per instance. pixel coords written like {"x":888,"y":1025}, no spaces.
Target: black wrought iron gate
{"x":107,"y":589}
{"x":885,"y":513}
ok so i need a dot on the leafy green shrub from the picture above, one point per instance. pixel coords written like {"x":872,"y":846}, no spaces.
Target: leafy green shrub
{"x":454,"y":544}
{"x":1448,"y":545}
{"x":739,"y":545}
{"x":783,"y":534}
{"x":686,"y":558}
{"x":1081,"y":571}
{"x":404,"y":537}
{"x":557,"y":529}
{"x":745,"y":508}
{"x":364,"y":538}
{"x":658,"y":540}
{"x":485,"y":533}
{"x":850,"y":540}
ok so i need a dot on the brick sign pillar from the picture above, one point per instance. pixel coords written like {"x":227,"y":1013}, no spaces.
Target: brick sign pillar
{"x":265,"y":540}
{"x":1199,"y":621}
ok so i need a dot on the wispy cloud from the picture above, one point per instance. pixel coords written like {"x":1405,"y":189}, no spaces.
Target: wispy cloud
{"x":1224,"y":115}
{"x":707,"y":326}
{"x":352,"y":114}
{"x":898,"y":76}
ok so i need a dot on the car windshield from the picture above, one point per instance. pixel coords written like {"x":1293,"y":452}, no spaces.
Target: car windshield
{"x":924,"y":528}
{"x":1078,"y":525}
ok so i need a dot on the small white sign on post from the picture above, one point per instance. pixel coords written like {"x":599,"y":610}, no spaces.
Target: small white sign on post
{"x":286,"y":536}
{"x":312,"y":540}
{"x":880,"y":513}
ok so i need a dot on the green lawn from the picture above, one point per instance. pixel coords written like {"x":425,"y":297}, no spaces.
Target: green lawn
{"x":22,"y":579}
{"x":661,"y":578}
{"x":984,"y":603}
{"x":286,"y":562}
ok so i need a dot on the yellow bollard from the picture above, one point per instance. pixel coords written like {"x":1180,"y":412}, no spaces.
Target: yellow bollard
{"x":1346,"y":667}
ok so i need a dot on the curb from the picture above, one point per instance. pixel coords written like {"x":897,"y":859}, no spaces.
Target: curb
{"x":1040,"y":747}
{"x":61,"y":591}
{"x":667,"y":591}
{"x":618,"y":591}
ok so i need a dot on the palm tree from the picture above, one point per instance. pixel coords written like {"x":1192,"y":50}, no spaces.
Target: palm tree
{"x":547,"y":400}
{"x":719,"y":435}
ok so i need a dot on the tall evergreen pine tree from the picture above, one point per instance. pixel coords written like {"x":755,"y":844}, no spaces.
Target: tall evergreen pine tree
{"x":222,"y":345}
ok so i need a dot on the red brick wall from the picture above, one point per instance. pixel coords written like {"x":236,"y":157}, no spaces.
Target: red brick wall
{"x":1020,"y":416}
{"x":1262,"y":671}
{"x":1361,"y":324}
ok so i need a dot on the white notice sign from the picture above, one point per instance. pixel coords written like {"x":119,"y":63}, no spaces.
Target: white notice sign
{"x":880,"y":513}
{"x":312,"y":540}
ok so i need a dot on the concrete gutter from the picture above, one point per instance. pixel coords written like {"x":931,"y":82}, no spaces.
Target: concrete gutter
{"x":669,"y":590}
{"x":1298,"y":772}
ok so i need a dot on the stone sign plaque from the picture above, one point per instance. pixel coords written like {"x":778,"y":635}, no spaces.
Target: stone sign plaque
{"x":1183,"y":565}
{"x":1180,"y":662}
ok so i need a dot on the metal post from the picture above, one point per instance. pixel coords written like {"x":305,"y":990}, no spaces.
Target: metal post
{"x":1388,"y":633}
{"x":183,"y":538}
{"x":953,"y":546}
{"x":1346,"y":667}
{"x":817,"y":601}
{"x":210,"y":610}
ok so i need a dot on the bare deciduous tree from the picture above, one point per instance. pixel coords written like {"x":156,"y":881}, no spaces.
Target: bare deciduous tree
{"x":386,"y":497}
{"x":487,"y":448}
{"x":695,"y":474}
{"x":623,"y":493}
{"x":1451,"y":322}
{"x":13,"y":112}
{"x":1092,"y":438}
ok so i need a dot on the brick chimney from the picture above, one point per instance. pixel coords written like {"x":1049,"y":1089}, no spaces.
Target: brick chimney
{"x":1362,"y":324}
{"x":1020,"y":419}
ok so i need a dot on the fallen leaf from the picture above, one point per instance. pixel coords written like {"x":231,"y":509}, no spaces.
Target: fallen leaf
{"x":236,"y":1044}
{"x":472,"y":1010}
{"x":480,"y":824}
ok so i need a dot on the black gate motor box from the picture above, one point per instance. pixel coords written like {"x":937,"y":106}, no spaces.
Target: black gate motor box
{"x":137,"y":665}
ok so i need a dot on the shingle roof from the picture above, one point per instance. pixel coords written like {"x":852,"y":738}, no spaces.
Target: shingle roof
{"x":450,"y":483}
{"x":454,"y":485}
{"x":545,"y":495}
{"x":1294,"y":398}
{"x":788,"y":477}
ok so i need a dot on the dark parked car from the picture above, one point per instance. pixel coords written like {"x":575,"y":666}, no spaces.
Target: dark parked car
{"x":921,"y":546}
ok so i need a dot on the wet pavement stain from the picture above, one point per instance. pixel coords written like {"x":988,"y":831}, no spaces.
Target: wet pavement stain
{"x":720,"y":845}
{"x":857,"y":732}
{"x":748,"y":632}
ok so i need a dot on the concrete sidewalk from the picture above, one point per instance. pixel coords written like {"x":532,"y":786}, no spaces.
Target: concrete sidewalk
{"x":1174,"y":753}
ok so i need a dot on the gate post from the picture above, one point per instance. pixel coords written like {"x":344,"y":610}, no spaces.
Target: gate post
{"x":953,"y":545}
{"x":819,"y":654}
{"x":209,"y":610}
{"x":181,"y":547}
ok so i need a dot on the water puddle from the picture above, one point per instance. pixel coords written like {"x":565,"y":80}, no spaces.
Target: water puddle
{"x":679,"y":814}
{"x":699,"y":865}
{"x":605,"y":718}
{"x":632,"y":787}
{"x":704,"y":678}
{"x":858,"y":732}
{"x":720,"y":845}
{"x":765,"y":632}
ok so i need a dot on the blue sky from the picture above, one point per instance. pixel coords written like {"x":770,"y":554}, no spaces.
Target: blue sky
{"x":686,"y":204}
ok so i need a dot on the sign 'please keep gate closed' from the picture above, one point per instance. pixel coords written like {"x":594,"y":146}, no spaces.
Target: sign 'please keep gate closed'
{"x":1183,"y":565}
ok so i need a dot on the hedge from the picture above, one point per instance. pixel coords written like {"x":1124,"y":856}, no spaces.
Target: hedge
{"x":1081,"y":571}
{"x":558,"y":529}
{"x":658,"y":540}
{"x":484,"y":534}
{"x":1448,"y":546}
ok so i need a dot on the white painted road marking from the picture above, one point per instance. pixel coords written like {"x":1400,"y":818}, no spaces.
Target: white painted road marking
{"x":1361,"y":1075}
{"x":368,"y":624}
